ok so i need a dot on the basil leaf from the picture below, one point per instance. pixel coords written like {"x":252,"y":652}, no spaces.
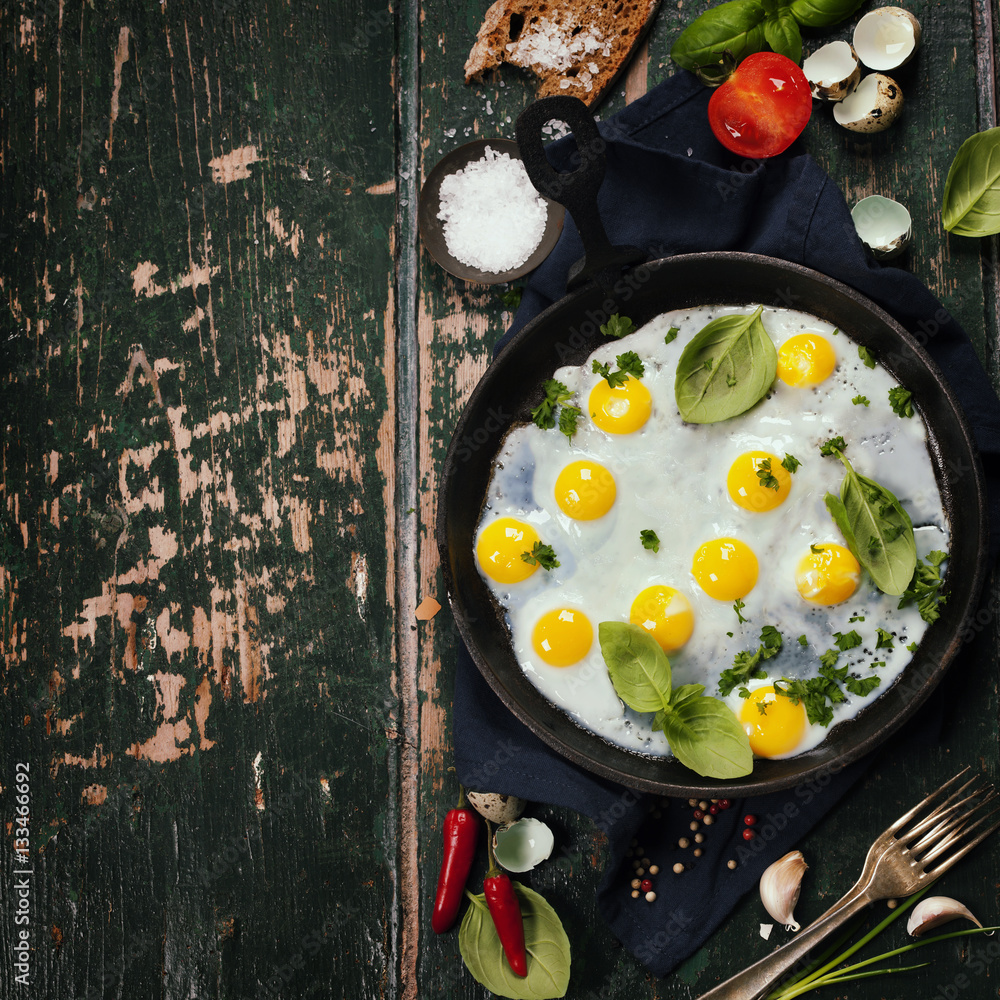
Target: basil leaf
{"x":637,"y":666}
{"x":705,"y":736}
{"x":544,"y":938}
{"x":879,"y":531}
{"x":737,"y":26}
{"x":821,"y":13}
{"x":781,"y":32}
{"x":744,"y":366}
{"x":684,"y":692}
{"x":971,"y":204}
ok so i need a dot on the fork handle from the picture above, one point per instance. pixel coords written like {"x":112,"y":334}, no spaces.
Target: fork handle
{"x":752,"y":982}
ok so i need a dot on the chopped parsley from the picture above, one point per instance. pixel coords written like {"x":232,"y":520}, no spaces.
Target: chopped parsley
{"x":817,"y":694}
{"x":628,"y":363}
{"x":803,"y":641}
{"x":738,"y":607}
{"x":541,"y":555}
{"x":746,"y":664}
{"x":544,"y":415}
{"x":847,"y":640}
{"x":861,"y":401}
{"x":671,"y":335}
{"x":790,"y":462}
{"x":567,"y":420}
{"x":861,"y":685}
{"x":832,"y":446}
{"x":912,"y":647}
{"x":925,"y":587}
{"x":649,"y":539}
{"x":817,"y":549}
{"x":617,"y":326}
{"x":867,"y":356}
{"x":901,"y":401}
{"x":855,"y":618}
{"x":708,"y":364}
{"x":884,"y":639}
{"x":767,"y":478}
{"x":829,"y":658}
{"x":512,"y":297}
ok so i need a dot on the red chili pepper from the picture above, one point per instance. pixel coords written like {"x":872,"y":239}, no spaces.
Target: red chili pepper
{"x":461,"y":832}
{"x":506,"y":913}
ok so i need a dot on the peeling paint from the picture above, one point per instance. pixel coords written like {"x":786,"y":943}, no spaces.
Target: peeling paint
{"x":234,"y":165}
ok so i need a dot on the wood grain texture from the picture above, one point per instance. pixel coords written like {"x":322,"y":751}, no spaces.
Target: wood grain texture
{"x":230,"y":376}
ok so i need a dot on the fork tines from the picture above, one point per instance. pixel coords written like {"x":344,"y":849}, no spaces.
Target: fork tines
{"x":961,"y":821}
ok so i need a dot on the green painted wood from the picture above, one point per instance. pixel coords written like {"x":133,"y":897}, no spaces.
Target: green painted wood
{"x":235,"y":512}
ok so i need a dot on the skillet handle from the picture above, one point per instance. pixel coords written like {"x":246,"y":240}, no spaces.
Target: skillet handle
{"x":575,"y":189}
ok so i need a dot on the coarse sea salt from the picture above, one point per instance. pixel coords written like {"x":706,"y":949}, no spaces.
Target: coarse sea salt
{"x":493,"y":216}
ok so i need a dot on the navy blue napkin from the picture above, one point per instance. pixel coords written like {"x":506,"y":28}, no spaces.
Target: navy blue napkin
{"x":671,"y":188}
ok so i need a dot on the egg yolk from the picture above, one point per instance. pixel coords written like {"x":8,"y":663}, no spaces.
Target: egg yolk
{"x":725,"y":568}
{"x":620,"y":410}
{"x":585,"y":490}
{"x":758,"y":481}
{"x":774,"y":723}
{"x":827,"y":574}
{"x":666,"y":614}
{"x":805,"y":359}
{"x":500,"y":546}
{"x":562,"y":637}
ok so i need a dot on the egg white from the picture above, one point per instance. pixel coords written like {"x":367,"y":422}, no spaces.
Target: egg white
{"x":671,"y":478}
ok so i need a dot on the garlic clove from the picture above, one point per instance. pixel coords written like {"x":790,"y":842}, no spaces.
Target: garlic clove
{"x":934,"y":911}
{"x":886,"y":38}
{"x":832,"y":71}
{"x":779,"y":888}
{"x":521,"y":846}
{"x":497,"y":808}
{"x":873,"y":106}
{"x":884,"y":226}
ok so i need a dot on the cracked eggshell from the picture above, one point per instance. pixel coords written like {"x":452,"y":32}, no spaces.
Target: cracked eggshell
{"x":887,"y":38}
{"x":873,"y":107}
{"x":521,"y":846}
{"x":884,"y":226}
{"x":833,"y":71}
{"x":497,"y":808}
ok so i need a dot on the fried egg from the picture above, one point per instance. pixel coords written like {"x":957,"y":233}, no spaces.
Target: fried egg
{"x":742,"y":535}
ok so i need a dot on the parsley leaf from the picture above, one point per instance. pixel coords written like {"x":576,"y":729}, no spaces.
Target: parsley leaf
{"x":790,"y":462}
{"x":771,"y":641}
{"x":512,"y":297}
{"x":925,"y":587}
{"x":628,"y":363}
{"x":541,"y":555}
{"x":738,"y":607}
{"x":884,"y":639}
{"x":861,"y":685}
{"x":816,"y":694}
{"x":833,"y":446}
{"x":829,"y":658}
{"x":631,"y":363}
{"x":912,"y":647}
{"x":567,"y":420}
{"x":867,"y":356}
{"x":617,"y":326}
{"x":803,"y":641}
{"x":855,"y":618}
{"x":901,"y":401}
{"x":847,"y":640}
{"x":767,"y":479}
{"x":649,"y":539}
{"x":861,"y":401}
{"x":671,"y":334}
{"x":816,"y":549}
{"x":544,"y":415}
{"x":746,"y":664}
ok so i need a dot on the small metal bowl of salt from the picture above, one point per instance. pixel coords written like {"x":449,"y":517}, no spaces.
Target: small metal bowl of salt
{"x":482,"y":219}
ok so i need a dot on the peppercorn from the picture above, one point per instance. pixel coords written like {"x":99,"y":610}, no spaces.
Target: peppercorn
{"x":749,"y":819}
{"x":646,"y":885}
{"x":748,"y":834}
{"x":731,"y":865}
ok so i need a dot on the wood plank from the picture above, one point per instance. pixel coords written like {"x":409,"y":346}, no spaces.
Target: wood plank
{"x":198,"y":475}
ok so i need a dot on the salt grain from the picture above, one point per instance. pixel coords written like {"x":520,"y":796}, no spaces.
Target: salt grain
{"x":493,"y":216}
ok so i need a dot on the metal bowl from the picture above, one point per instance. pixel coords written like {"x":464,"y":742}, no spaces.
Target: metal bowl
{"x":432,"y":229}
{"x":567,"y":333}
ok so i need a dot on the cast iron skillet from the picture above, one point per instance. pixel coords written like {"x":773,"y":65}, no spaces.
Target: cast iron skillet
{"x":566,"y":333}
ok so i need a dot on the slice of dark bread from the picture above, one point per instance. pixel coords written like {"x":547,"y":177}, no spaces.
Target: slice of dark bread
{"x":576,"y":47}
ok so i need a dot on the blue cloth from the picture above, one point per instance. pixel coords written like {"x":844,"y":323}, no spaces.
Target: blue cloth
{"x":671,"y":188}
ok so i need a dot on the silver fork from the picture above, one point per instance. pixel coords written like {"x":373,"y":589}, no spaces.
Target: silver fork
{"x":921,"y":845}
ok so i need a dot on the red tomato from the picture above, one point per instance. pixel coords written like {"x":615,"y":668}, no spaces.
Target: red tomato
{"x":762,"y":108}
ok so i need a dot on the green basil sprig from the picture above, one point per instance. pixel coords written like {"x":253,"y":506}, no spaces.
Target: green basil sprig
{"x":703,"y":733}
{"x":545,"y":940}
{"x":877,"y":529}
{"x":745,"y":26}
{"x":725,"y":369}
{"x":971,"y":204}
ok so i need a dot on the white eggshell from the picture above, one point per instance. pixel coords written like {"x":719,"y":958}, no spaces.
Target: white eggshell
{"x":884,"y":225}
{"x":523,"y":845}
{"x":887,"y":38}
{"x":832,"y":71}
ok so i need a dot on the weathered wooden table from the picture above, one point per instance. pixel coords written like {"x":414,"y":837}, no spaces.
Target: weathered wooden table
{"x":230,"y":376}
